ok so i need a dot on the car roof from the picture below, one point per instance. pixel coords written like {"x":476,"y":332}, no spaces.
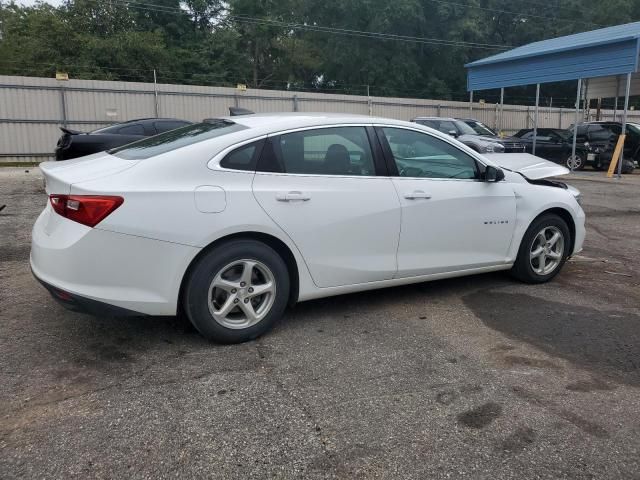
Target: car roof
{"x":274,"y":122}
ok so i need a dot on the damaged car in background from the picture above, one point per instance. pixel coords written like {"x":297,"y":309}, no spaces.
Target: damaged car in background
{"x":73,"y":143}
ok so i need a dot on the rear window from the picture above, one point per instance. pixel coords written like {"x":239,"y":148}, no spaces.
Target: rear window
{"x":136,"y":129}
{"x":174,"y":139}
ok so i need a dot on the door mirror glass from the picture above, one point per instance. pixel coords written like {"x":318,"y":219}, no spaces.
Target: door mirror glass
{"x":493,"y":174}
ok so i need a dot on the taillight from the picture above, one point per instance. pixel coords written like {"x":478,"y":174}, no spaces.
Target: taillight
{"x":89,"y":210}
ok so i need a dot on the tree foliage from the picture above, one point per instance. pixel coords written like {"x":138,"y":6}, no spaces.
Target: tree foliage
{"x":292,"y":44}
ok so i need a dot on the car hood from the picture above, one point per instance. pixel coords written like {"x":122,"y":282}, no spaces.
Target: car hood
{"x":479,"y":139}
{"x":529,"y":166}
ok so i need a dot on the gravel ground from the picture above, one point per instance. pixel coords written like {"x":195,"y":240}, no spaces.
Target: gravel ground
{"x":478,"y":377}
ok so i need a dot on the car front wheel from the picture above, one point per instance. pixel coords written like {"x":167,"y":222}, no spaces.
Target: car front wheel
{"x":237,"y":291}
{"x":543,"y":251}
{"x":575,"y":162}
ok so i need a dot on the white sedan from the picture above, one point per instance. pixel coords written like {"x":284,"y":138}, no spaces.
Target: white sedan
{"x":231,"y":220}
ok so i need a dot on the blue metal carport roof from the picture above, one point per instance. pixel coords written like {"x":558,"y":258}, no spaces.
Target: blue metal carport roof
{"x":599,"y":53}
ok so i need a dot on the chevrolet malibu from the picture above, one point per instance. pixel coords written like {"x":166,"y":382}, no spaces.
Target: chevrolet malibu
{"x":233,"y":219}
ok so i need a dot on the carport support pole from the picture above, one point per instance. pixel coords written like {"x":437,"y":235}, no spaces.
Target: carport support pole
{"x":535,"y":119}
{"x":624,"y":122}
{"x":575,"y":124}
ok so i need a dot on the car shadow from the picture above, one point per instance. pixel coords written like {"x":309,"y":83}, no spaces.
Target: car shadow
{"x":604,"y":342}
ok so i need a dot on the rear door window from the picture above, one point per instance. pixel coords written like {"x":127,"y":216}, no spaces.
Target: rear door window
{"x":321,"y":151}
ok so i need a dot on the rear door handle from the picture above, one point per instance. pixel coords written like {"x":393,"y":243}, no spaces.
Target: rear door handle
{"x":417,"y":194}
{"x":292,"y":197}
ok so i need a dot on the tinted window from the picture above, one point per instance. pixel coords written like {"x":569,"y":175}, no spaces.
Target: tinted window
{"x":421,"y":155}
{"x":325,"y":151}
{"x":597,"y":132}
{"x":135,"y":129}
{"x":166,"y":125}
{"x":527,"y":136}
{"x":165,"y":142}
{"x":243,"y":158}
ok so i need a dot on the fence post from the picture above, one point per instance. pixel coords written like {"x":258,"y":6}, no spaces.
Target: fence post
{"x":439,"y":109}
{"x":528,"y":115}
{"x":63,"y":106}
{"x":560,"y":118}
{"x":295,"y":103}
{"x":155,"y":93}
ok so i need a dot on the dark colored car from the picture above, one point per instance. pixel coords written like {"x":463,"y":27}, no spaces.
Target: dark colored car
{"x":73,"y":144}
{"x":467,"y":135}
{"x":603,"y":136}
{"x":555,"y":144}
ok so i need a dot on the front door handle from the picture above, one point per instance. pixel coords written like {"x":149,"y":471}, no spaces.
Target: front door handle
{"x":417,"y":194}
{"x":292,"y":197}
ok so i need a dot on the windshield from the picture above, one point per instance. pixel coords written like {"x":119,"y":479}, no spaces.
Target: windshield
{"x":564,"y":134}
{"x":481,"y":129}
{"x":464,"y":128}
{"x":173,"y":139}
{"x":447,"y":125}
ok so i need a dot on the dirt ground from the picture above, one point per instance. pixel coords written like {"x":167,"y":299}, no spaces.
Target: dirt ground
{"x":478,"y":377}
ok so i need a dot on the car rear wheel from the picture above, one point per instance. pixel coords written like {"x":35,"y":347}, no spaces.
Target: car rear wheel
{"x":543,"y":251}
{"x":575,"y":162}
{"x":237,"y":291}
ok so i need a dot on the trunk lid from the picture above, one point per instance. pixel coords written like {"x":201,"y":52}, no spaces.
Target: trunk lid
{"x":59,"y":176}
{"x":529,"y":166}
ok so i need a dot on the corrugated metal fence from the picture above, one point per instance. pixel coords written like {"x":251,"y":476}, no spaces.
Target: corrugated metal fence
{"x":32,"y":109}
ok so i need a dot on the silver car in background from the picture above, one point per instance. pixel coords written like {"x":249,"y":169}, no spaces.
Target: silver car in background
{"x":471,"y":138}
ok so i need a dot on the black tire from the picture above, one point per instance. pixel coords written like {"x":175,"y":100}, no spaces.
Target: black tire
{"x":598,"y":166}
{"x":580,"y":161}
{"x":195,"y":298}
{"x":627,"y":166}
{"x":522,"y":268}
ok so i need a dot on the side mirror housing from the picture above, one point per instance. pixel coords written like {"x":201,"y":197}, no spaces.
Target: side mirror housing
{"x":453,"y":133}
{"x":493,"y":174}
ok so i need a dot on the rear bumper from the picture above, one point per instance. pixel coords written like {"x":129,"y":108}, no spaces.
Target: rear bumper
{"x":77,"y":303}
{"x":97,"y":270}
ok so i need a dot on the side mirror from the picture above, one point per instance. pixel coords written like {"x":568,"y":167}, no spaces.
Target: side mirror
{"x":493,"y":174}
{"x":453,"y":133}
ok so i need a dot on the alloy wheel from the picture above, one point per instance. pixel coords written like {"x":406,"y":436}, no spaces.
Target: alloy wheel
{"x":242,"y":294}
{"x":546,"y":250}
{"x":574,"y":162}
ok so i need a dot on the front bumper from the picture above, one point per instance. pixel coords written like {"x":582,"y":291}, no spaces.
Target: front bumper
{"x":88,"y":268}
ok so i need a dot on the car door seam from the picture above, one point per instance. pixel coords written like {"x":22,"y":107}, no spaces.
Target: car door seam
{"x":253,"y":194}
{"x":401,"y":207}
